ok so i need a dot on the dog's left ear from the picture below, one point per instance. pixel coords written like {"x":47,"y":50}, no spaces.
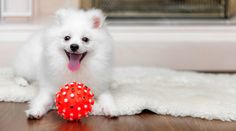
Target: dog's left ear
{"x":97,"y":18}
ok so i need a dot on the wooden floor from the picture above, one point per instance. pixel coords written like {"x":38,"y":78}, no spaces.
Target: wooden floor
{"x":12,"y":118}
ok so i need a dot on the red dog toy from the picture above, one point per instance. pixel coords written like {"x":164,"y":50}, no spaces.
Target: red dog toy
{"x":74,"y":101}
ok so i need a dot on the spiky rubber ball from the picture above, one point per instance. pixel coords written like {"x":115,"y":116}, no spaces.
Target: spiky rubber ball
{"x":74,"y":101}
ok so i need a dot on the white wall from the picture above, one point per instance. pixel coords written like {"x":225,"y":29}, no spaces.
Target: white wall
{"x":208,"y":48}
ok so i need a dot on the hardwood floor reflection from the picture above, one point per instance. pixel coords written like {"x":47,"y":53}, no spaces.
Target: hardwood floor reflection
{"x":12,"y":118}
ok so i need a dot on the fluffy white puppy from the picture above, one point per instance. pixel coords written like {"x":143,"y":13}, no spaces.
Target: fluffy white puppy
{"x":75,"y":47}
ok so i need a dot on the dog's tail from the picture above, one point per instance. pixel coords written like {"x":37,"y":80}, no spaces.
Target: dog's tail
{"x":10,"y":91}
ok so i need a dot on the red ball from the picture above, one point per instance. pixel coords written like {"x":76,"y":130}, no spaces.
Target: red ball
{"x":74,"y":101}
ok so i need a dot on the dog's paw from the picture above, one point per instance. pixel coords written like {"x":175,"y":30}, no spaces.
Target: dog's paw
{"x":104,"y":109}
{"x":109,"y":110}
{"x":96,"y":110}
{"x":35,"y":113}
{"x":21,"y":81}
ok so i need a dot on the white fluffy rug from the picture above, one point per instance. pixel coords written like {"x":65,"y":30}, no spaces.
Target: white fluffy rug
{"x":163,"y":91}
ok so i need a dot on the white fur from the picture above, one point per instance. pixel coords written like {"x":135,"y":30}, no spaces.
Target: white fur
{"x":9,"y":91}
{"x":163,"y":91}
{"x":44,"y":61}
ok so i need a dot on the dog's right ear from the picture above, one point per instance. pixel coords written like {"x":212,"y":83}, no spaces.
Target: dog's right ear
{"x":61,"y":14}
{"x":96,"y":17}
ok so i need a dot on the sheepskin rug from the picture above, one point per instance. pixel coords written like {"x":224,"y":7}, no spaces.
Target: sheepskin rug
{"x":163,"y":91}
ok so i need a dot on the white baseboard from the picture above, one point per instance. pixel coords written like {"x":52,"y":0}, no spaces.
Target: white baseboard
{"x":208,"y":48}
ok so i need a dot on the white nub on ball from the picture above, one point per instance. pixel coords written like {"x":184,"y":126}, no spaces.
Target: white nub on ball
{"x":65,"y":100}
{"x":72,"y":95}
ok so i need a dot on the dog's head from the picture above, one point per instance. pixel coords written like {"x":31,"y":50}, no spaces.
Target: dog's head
{"x":77,"y":33}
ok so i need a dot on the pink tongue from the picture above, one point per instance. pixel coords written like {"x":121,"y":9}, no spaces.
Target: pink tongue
{"x":74,"y":62}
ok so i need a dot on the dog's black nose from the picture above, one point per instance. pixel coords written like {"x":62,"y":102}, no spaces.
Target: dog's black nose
{"x":74,"y":47}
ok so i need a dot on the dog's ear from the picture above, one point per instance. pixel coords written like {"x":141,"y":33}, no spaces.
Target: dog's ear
{"x":61,"y":15}
{"x":97,"y":18}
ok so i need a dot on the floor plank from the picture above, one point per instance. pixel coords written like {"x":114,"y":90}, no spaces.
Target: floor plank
{"x":12,"y":118}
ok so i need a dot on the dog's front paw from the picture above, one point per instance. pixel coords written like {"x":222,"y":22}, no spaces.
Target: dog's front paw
{"x":109,"y":110}
{"x":21,"y":81}
{"x":35,"y":113}
{"x":96,"y":110}
{"x":104,"y":109}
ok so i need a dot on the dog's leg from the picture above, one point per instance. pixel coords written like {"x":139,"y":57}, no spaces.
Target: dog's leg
{"x":21,"y":81}
{"x":41,"y":103}
{"x":105,"y":105}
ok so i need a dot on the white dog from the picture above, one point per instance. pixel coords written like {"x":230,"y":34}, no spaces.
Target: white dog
{"x":76,"y":47}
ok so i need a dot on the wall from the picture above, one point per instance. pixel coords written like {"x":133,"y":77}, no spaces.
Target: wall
{"x":203,"y":48}
{"x":46,"y":8}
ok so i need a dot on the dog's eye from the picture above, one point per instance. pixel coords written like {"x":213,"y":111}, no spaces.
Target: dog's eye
{"x":85,"y":39}
{"x":66,"y":38}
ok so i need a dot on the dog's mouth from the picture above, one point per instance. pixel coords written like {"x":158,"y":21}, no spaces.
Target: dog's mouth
{"x":74,"y":60}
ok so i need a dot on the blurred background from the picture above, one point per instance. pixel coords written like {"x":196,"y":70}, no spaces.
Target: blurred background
{"x":180,"y":34}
